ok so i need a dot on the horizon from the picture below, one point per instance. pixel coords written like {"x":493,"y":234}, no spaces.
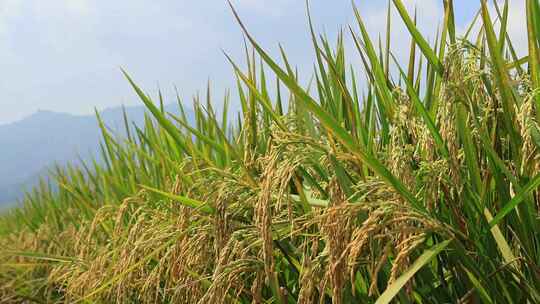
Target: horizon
{"x":81,"y":115}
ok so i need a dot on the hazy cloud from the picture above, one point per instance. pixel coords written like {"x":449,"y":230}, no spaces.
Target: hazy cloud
{"x":64,"y":55}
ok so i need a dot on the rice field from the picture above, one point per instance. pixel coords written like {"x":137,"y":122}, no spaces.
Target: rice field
{"x":367,"y":186}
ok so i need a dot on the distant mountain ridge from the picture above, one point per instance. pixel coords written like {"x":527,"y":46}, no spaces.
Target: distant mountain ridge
{"x":32,"y":145}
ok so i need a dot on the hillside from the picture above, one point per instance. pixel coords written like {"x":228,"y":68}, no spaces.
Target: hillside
{"x":33,"y":145}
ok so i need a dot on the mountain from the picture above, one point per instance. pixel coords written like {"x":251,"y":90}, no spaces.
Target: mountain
{"x":32,"y":145}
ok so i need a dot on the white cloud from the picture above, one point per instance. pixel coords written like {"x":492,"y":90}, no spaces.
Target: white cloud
{"x":428,"y":18}
{"x":8,"y":9}
{"x":375,"y":19}
{"x":52,"y":50}
{"x":79,"y":7}
{"x":517,"y":24}
{"x":274,"y":8}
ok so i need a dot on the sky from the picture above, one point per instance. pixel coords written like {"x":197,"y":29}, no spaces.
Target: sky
{"x":65,"y":55}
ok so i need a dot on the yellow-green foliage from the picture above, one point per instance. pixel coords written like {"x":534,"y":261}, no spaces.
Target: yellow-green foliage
{"x":421,"y":189}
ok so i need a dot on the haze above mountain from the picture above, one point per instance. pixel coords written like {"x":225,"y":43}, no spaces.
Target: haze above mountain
{"x":30,"y":147}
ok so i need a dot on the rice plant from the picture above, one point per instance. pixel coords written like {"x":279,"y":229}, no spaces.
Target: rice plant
{"x":418,"y":186}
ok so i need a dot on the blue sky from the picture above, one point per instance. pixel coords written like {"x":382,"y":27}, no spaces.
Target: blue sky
{"x":64,"y":55}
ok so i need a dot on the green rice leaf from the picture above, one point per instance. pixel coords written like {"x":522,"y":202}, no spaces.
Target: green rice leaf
{"x":516,"y":200}
{"x":195,"y":204}
{"x":393,"y":289}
